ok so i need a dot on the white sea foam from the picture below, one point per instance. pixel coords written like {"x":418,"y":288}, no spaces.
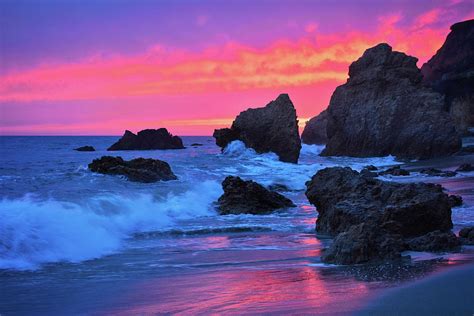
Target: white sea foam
{"x":33,"y":232}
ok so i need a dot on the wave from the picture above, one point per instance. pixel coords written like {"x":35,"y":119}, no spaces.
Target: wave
{"x":35,"y":232}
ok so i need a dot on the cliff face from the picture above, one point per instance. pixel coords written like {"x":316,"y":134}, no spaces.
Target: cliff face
{"x":384,"y":109}
{"x":451,"y":72}
{"x":315,"y":130}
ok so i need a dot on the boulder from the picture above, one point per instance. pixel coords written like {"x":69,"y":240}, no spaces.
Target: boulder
{"x":455,"y":200}
{"x":148,"y":139}
{"x":314,"y":132}
{"x":451,"y":72}
{"x":344,"y":198}
{"x":273,"y":128}
{"x":395,"y":171}
{"x":137,"y":170}
{"x":467,"y":235}
{"x":465,"y":167}
{"x":434,"y":241}
{"x":384,"y":109}
{"x":85,"y":148}
{"x":438,"y":173}
{"x":363,"y":243}
{"x":249,"y":197}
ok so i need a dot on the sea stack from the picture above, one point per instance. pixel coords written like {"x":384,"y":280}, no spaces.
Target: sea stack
{"x":384,"y":109}
{"x":148,"y":139}
{"x":451,"y":72}
{"x":273,"y":128}
{"x":314,"y":132}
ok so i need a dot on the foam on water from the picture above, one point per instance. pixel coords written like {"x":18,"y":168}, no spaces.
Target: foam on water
{"x":33,"y":232}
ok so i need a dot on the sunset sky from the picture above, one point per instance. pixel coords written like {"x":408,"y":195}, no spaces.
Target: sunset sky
{"x":100,"y":67}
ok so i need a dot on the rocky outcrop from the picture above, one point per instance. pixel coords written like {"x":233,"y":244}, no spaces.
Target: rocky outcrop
{"x":465,"y":167}
{"x":467,"y":235}
{"x":85,"y":148}
{"x":455,"y":200}
{"x":344,"y":198}
{"x":363,"y":243}
{"x":395,"y":171}
{"x":434,"y":241}
{"x":137,"y":170}
{"x":433,"y":172}
{"x":249,"y":197}
{"x":384,"y":109}
{"x":314,"y":132}
{"x":273,"y":128}
{"x":451,"y":72}
{"x":148,"y":139}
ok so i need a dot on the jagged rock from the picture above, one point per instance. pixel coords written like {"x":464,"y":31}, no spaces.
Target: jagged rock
{"x":371,"y":168}
{"x":314,"y":132}
{"x":451,"y":72}
{"x":249,"y":197}
{"x":344,"y":198}
{"x":455,"y":200}
{"x":273,"y":128}
{"x":434,"y":241}
{"x":137,"y":170}
{"x":384,"y":109}
{"x":85,"y":148}
{"x":363,"y":243}
{"x":148,"y":139}
{"x":467,"y":235}
{"x":465,"y":167}
{"x":395,"y":171}
{"x":367,"y":173}
{"x":437,"y":173}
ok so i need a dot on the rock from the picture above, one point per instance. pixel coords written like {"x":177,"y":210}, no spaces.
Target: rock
{"x":384,"y":109}
{"x":437,"y":173}
{"x":148,"y":139}
{"x":363,"y":243}
{"x":468,"y":150}
{"x":278,"y":187}
{"x":344,"y":198}
{"x":371,"y":168}
{"x":434,"y":241}
{"x":314,"y":132}
{"x":395,"y":171}
{"x":465,"y":167}
{"x":273,"y":128}
{"x":455,"y":200}
{"x":85,"y":148}
{"x":137,"y":170}
{"x":451,"y":72}
{"x":368,"y":173}
{"x":467,"y":235}
{"x":196,"y":144}
{"x":249,"y":197}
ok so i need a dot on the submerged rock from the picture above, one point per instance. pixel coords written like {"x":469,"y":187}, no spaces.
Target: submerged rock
{"x":434,"y":241}
{"x":467,"y":235}
{"x":314,"y":132}
{"x":465,"y":167}
{"x":437,"y":173}
{"x":249,"y":197}
{"x":363,"y":243}
{"x":395,"y":171}
{"x":148,"y":139}
{"x":384,"y":109}
{"x":344,"y":198}
{"x":451,"y":72}
{"x":137,"y":170}
{"x":273,"y":128}
{"x":85,"y":148}
{"x":196,"y":145}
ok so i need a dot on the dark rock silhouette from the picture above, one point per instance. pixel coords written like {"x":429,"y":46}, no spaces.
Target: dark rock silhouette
{"x":451,"y":72}
{"x":148,"y":139}
{"x":249,"y":197}
{"x":363,"y":243}
{"x":395,"y":171}
{"x":465,"y":167}
{"x":85,"y":148}
{"x":196,"y":145}
{"x":434,"y":241}
{"x":137,"y":170}
{"x":344,"y":198}
{"x":467,"y":235}
{"x":314,"y":132}
{"x":455,"y":200}
{"x":384,"y":109}
{"x":273,"y":128}
{"x":437,"y":173}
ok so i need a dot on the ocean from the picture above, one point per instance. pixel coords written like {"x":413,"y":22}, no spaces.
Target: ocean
{"x":76,"y":242}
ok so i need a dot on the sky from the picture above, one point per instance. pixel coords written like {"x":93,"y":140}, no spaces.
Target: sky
{"x":85,"y":67}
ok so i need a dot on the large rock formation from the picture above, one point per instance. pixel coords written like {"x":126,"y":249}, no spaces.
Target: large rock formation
{"x":249,"y":197}
{"x":384,"y":109}
{"x":273,"y":128}
{"x":137,"y":170}
{"x":314,"y":132}
{"x":343,"y":198}
{"x":148,"y":139}
{"x":451,"y":72}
